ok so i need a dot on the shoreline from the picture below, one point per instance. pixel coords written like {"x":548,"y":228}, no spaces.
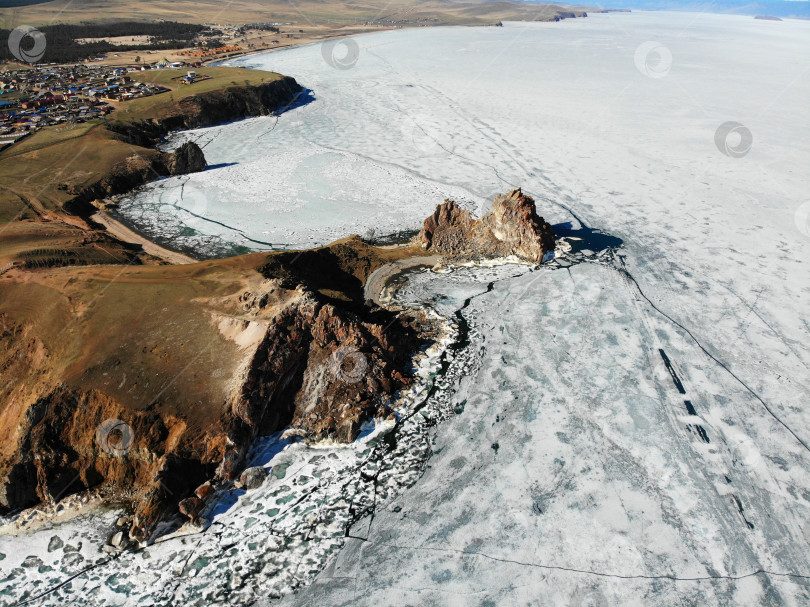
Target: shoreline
{"x":249,"y":53}
{"x":252,"y":52}
{"x":379,"y":279}
{"x":126,"y":234}
{"x":129,"y":234}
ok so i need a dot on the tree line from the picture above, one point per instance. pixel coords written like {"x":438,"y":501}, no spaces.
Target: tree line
{"x":63,"y":46}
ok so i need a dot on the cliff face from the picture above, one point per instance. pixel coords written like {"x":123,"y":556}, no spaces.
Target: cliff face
{"x":317,"y":369}
{"x":512,"y":227}
{"x":211,"y":108}
{"x":152,"y":382}
{"x":137,"y":170}
{"x":73,"y":439}
{"x":165,"y":380}
{"x":322,"y":371}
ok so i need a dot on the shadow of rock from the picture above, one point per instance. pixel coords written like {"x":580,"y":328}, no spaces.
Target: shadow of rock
{"x":586,"y":238}
{"x":304,"y":97}
{"x":221,"y":165}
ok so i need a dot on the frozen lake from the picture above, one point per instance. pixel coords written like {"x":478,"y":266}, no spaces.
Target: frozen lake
{"x":629,"y":428}
{"x":560,"y":109}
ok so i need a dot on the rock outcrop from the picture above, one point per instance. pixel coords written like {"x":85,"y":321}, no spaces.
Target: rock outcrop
{"x":320,"y":370}
{"x":512,"y":227}
{"x":158,"y":406}
{"x":153,"y":382}
{"x":188,"y":158}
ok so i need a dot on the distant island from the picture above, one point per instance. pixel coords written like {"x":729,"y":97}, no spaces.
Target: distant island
{"x":767,"y":18}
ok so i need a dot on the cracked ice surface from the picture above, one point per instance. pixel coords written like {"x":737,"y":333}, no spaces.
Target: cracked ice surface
{"x":575,"y":475}
{"x":601,"y":466}
{"x":289,"y":197}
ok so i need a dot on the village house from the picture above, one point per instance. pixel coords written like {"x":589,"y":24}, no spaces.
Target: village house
{"x":31,"y":99}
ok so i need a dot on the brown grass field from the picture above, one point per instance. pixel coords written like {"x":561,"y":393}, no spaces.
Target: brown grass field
{"x":312,"y":13}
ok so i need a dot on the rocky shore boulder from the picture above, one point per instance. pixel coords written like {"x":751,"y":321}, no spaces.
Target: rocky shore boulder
{"x":512,"y":227}
{"x":191,"y":507}
{"x":188,"y":158}
{"x":251,"y":478}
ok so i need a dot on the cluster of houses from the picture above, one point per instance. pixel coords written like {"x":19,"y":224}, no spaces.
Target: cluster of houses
{"x":52,"y":95}
{"x":204,"y":53}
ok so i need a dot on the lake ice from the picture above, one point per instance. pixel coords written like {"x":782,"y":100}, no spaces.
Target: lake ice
{"x":629,"y":428}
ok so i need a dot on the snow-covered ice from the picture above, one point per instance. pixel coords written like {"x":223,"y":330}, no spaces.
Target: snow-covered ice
{"x":578,"y":475}
{"x":624,"y":426}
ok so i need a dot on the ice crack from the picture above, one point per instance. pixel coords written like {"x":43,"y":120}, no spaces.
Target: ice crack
{"x":639,"y":576}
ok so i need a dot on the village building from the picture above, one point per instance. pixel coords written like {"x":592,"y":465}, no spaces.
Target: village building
{"x":31,"y":99}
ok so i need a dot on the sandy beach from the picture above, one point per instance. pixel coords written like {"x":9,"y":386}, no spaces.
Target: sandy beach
{"x":122,"y":232}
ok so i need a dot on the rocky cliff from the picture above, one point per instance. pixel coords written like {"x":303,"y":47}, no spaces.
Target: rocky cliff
{"x":152,"y":382}
{"x":211,"y":108}
{"x":511,"y":227}
{"x":137,"y":169}
{"x":318,"y":370}
{"x":146,"y":164}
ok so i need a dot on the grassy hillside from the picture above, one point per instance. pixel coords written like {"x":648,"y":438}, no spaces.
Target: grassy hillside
{"x":34,"y":170}
{"x":157,"y":106}
{"x":310,"y":12}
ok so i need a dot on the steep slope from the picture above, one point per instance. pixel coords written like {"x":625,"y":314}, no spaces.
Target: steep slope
{"x":195,"y":361}
{"x":151,"y":382}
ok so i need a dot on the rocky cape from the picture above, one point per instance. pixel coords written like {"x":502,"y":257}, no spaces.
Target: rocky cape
{"x":511,"y":228}
{"x":152,"y":382}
